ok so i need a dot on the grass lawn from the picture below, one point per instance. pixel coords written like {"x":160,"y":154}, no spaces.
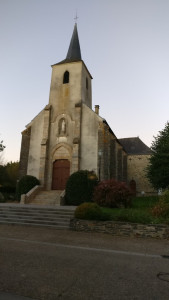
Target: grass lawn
{"x":140,"y":212}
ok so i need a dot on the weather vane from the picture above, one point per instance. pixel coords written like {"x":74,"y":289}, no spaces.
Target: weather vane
{"x":76,"y":17}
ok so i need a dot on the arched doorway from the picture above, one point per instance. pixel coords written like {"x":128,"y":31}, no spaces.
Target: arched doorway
{"x":133,"y":186}
{"x":61,"y":173}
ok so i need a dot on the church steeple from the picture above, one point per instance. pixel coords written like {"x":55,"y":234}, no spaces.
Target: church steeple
{"x":74,"y":52}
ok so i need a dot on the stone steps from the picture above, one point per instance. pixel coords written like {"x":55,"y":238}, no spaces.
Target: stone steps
{"x":36,"y":216}
{"x":47,"y":198}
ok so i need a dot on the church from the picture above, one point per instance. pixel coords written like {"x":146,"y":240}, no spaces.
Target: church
{"x":68,"y":135}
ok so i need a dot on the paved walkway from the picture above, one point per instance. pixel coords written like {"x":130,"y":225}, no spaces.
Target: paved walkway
{"x":49,"y":264}
{"x":9,"y":296}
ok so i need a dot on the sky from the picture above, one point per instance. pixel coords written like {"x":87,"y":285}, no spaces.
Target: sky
{"x":124,"y":44}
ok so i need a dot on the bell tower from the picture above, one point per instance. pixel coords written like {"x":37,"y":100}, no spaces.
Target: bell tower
{"x":70,"y":89}
{"x":71,"y":80}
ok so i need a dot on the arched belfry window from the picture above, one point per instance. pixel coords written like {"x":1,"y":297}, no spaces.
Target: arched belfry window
{"x":66,"y":77}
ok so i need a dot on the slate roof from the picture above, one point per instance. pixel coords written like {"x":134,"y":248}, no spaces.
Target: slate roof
{"x":74,"y":52}
{"x":135,"y":146}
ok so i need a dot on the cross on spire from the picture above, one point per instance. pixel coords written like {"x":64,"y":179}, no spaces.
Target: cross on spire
{"x":76,"y":17}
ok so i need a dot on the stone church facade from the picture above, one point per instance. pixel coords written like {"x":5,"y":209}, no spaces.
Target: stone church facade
{"x":67,"y":135}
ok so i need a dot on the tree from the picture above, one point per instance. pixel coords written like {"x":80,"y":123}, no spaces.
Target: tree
{"x":158,"y":167}
{"x":2,"y":147}
{"x":9,"y":174}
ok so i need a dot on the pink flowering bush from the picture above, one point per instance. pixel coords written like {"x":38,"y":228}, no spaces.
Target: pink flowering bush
{"x":112,"y":193}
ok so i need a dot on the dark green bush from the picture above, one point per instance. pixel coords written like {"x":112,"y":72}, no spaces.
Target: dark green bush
{"x":7,"y":189}
{"x":90,"y":211}
{"x":111,"y":193}
{"x":25,"y":184}
{"x":8,"y":193}
{"x":2,"y":198}
{"x":80,"y":187}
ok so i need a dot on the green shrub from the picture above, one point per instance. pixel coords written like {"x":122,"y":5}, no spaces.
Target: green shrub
{"x":7,"y":189}
{"x":2,"y":198}
{"x":161,"y":209}
{"x":80,"y":187}
{"x":25,"y":184}
{"x":8,"y":193}
{"x":165,"y":197}
{"x":91,"y":211}
{"x":111,"y":193}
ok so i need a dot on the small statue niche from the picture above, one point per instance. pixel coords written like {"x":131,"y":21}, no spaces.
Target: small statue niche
{"x":62,"y":127}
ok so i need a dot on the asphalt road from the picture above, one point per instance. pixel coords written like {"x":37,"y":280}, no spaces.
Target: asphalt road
{"x":51,"y":264}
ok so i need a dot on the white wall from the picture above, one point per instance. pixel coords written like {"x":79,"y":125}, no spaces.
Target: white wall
{"x":35,"y":145}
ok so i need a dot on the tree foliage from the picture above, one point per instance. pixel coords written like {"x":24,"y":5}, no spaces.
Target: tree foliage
{"x":158,"y":167}
{"x":2,"y":147}
{"x":9,"y":174}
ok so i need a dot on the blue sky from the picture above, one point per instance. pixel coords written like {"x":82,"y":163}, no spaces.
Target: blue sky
{"x":124,"y":43}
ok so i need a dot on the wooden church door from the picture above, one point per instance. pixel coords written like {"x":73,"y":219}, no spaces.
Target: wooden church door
{"x":61,"y":173}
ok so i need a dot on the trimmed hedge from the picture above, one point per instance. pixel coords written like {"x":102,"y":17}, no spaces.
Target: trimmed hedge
{"x":25,"y":184}
{"x":80,"y":187}
{"x":91,"y":211}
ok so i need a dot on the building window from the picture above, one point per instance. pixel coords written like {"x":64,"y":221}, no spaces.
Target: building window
{"x":66,"y":77}
{"x":87,"y":83}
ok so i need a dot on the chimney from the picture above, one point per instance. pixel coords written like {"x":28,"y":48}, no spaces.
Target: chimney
{"x":97,"y":109}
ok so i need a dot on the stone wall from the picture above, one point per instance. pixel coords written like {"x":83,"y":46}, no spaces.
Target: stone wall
{"x":121,"y":228}
{"x":119,"y":164}
{"x":24,"y":152}
{"x":36,"y":137}
{"x":112,"y":163}
{"x":89,"y":140}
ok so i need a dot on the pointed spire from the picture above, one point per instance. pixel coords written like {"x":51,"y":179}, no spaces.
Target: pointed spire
{"x":74,"y":52}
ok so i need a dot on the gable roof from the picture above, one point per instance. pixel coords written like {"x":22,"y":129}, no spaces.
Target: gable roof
{"x":135,"y":146}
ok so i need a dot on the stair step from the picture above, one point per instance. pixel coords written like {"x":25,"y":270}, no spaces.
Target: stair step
{"x":42,"y":218}
{"x":36,"y":216}
{"x":34,"y":209}
{"x":47,"y":198}
{"x":49,"y":213}
{"x":23,"y":220}
{"x":37,"y":225}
